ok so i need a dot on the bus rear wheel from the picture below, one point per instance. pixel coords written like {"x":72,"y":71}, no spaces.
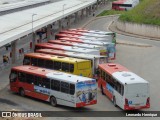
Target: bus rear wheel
{"x":53,"y":101}
{"x":21,"y":92}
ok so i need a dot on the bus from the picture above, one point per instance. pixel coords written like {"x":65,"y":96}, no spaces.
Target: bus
{"x":123,"y":87}
{"x":85,"y":34}
{"x":102,"y":50}
{"x":110,"y":47}
{"x":124,"y":4}
{"x":111,"y":34}
{"x":60,"y":35}
{"x":70,"y":65}
{"x":58,"y":88}
{"x":95,"y":59}
{"x":66,"y":48}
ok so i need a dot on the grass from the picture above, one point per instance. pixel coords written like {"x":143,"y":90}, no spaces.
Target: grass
{"x":147,"y":12}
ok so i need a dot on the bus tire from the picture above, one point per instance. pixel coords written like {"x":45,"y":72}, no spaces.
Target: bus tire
{"x":102,"y":90}
{"x":114,"y":101}
{"x":21,"y":92}
{"x":53,"y":101}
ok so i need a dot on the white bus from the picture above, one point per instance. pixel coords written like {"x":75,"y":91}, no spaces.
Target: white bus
{"x":83,"y":37}
{"x":101,"y":49}
{"x":95,"y":59}
{"x":66,"y":48}
{"x":54,"y":87}
{"x":110,"y":47}
{"x":123,"y":87}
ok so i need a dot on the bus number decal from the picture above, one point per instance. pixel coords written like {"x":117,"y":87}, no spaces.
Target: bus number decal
{"x":109,"y":88}
{"x":41,"y":90}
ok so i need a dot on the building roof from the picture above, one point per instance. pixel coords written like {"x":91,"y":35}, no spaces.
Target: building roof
{"x":19,"y":24}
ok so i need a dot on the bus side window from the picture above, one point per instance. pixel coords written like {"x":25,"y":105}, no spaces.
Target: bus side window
{"x":64,"y":87}
{"x":55,"y":85}
{"x":34,"y":61}
{"x":36,"y":81}
{"x":71,"y":68}
{"x":46,"y":83}
{"x":49,"y":64}
{"x":122,"y":89}
{"x":72,"y":89}
{"x":65,"y":67}
{"x":40,"y":63}
{"x":57,"y":65}
{"x":22,"y":77}
{"x":29,"y":79}
{"x":26,"y":61}
{"x":13,"y":76}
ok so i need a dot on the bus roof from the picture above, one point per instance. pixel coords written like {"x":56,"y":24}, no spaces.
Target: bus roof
{"x":111,"y":68}
{"x":72,"y":54}
{"x":54,"y":57}
{"x":126,"y":77}
{"x":70,"y":43}
{"x":84,"y":33}
{"x":78,"y":40}
{"x":67,"y":35}
{"x":65,"y":48}
{"x":80,"y":36}
{"x":91,"y":31}
{"x":52,"y":74}
{"x":121,"y":73}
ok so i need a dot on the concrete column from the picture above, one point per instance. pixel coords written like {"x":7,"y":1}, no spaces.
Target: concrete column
{"x":87,"y":11}
{"x":13,"y":50}
{"x":76,"y":17}
{"x":90,"y":10}
{"x":69,"y":21}
{"x":33,"y":40}
{"x":60,"y":24}
{"x":82,"y":13}
{"x":48,"y":32}
{"x":97,"y":4}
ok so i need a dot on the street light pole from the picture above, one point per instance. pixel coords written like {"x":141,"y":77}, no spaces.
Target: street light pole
{"x":33,"y":41}
{"x":63,"y":13}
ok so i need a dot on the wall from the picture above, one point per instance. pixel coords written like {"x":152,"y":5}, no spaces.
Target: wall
{"x":139,"y":29}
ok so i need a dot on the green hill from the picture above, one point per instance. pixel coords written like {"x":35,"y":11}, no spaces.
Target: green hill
{"x":147,"y":12}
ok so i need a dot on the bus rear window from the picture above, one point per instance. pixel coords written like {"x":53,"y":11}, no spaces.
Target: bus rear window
{"x":83,"y":65}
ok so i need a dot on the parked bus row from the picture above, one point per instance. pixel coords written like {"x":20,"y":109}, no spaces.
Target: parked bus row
{"x":76,"y":65}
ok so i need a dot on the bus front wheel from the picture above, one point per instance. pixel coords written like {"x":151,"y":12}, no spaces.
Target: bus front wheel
{"x":53,"y":101}
{"x":21,"y":92}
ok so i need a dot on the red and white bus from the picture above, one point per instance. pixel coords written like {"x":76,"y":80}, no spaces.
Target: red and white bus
{"x":101,"y":49}
{"x":123,"y":87}
{"x":66,"y":48}
{"x":54,"y":87}
{"x":60,"y":35}
{"x":110,"y":47}
{"x":111,"y":35}
{"x":124,"y":4}
{"x":85,"y":34}
{"x":95,"y":59}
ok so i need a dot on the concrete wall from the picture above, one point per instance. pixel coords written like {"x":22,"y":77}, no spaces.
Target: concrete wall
{"x":139,"y":29}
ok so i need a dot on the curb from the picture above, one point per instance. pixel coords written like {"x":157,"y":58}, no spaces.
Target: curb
{"x":111,"y":28}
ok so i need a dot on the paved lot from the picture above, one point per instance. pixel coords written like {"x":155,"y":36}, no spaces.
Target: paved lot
{"x":144,"y":61}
